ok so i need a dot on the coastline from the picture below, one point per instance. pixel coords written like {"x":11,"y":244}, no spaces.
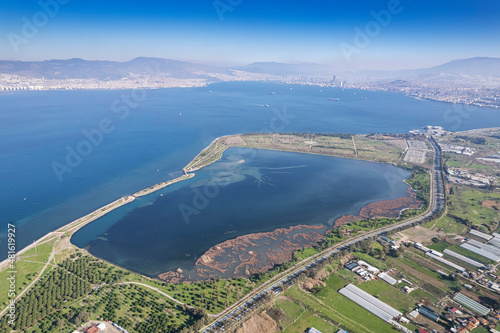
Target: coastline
{"x":258,"y":252}
{"x":77,"y":224}
{"x":198,"y":162}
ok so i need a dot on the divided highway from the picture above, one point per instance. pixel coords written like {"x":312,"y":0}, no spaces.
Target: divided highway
{"x":436,"y":206}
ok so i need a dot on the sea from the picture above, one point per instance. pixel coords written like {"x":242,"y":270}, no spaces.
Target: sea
{"x":64,"y":154}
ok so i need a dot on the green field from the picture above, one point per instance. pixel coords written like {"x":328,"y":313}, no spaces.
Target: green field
{"x":305,"y":253}
{"x":465,"y":208}
{"x":308,"y":319}
{"x":330,"y":304}
{"x":27,"y":268}
{"x":388,"y":294}
{"x":286,"y":312}
{"x":24,"y":276}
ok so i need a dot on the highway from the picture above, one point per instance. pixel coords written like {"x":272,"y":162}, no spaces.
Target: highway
{"x":436,"y":206}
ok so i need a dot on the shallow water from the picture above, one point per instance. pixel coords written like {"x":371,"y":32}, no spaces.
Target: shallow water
{"x":269,"y":190}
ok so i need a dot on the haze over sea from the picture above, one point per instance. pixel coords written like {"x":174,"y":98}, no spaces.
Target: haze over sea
{"x":164,"y":131}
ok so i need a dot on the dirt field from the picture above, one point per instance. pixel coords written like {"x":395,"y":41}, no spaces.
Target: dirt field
{"x":491,"y":204}
{"x":422,"y":276}
{"x":419,"y":234}
{"x":259,"y":324}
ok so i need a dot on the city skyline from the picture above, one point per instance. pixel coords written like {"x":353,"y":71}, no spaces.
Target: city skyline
{"x":345,"y":36}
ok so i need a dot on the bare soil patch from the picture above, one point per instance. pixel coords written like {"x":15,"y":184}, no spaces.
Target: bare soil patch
{"x":258,"y":324}
{"x":419,"y":234}
{"x":491,"y":204}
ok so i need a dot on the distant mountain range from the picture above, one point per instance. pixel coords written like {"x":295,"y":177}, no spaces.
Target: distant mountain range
{"x":107,"y":70}
{"x":472,"y":66}
{"x":113,"y":70}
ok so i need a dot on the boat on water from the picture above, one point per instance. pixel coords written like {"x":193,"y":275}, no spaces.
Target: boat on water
{"x":271,"y":93}
{"x":334,"y":99}
{"x":266,"y":105}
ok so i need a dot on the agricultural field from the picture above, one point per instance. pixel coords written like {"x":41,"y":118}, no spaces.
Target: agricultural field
{"x":28,"y":267}
{"x":469,"y":207}
{"x":80,"y":287}
{"x":336,"y":308}
{"x":389,"y":294}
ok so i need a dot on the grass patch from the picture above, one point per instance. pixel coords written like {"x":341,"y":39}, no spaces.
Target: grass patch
{"x":308,"y":319}
{"x":465,"y":208}
{"x":26,"y":273}
{"x":388,"y":294}
{"x":305,"y":253}
{"x":286,"y":312}
{"x":420,"y":294}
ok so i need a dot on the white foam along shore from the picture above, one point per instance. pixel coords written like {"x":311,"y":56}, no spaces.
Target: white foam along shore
{"x":74,"y":226}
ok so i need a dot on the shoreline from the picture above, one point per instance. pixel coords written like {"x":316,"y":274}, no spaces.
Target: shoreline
{"x":198,"y":161}
{"x":79,"y":223}
{"x":248,"y":254}
{"x":207,"y":83}
{"x":75,"y":225}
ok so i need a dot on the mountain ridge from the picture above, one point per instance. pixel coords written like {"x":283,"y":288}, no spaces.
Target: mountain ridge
{"x":77,"y":68}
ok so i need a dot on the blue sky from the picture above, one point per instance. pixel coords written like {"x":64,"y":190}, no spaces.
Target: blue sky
{"x":419,"y":33}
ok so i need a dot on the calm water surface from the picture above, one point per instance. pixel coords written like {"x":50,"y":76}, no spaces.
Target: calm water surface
{"x":247,"y":191}
{"x":161,"y":133}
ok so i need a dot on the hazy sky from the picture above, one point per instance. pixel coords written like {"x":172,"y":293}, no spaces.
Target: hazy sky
{"x":415,"y":34}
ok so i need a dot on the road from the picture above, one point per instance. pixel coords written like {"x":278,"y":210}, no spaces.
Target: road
{"x":436,"y":205}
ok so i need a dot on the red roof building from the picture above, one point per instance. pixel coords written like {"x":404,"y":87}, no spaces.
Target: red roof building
{"x":474,"y":321}
{"x":93,"y":329}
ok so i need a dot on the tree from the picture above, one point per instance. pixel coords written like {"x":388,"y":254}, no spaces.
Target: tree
{"x":60,"y":323}
{"x":82,"y":317}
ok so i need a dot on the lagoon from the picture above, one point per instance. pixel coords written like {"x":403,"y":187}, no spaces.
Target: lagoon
{"x":247,"y":191}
